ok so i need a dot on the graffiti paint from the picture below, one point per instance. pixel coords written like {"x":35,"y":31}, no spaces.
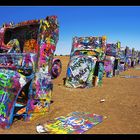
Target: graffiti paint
{"x":100,"y":73}
{"x":109,"y":65}
{"x":85,"y":52}
{"x":80,"y":71}
{"x":73,"y":123}
{"x":111,"y":50}
{"x":56,"y":68}
{"x":26,"y":58}
{"x":30,"y":46}
{"x":122,"y":58}
{"x":9,"y":91}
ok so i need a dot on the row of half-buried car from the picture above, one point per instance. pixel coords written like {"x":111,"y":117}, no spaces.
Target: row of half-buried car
{"x":92,"y":58}
{"x":27,"y":68}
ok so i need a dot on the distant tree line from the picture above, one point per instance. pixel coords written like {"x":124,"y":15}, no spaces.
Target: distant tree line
{"x":61,"y":55}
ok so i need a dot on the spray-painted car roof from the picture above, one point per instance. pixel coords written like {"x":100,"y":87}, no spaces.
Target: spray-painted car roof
{"x":88,"y":46}
{"x":9,"y":31}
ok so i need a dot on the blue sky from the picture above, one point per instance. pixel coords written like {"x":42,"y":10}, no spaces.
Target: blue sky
{"x":118,"y":23}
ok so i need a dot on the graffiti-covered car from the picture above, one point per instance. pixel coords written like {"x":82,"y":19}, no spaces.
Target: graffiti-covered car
{"x":122,"y":59}
{"x":27,"y":68}
{"x":111,"y":59}
{"x":138,"y":57}
{"x":128,"y":60}
{"x":134,"y":58}
{"x":125,"y":58}
{"x":85,"y":68}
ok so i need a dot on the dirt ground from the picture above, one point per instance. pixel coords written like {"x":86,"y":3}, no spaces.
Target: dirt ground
{"x":121,"y":107}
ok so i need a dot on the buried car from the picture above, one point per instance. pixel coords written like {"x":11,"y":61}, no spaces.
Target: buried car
{"x":122,"y":59}
{"x":111,"y":59}
{"x":128,"y":57}
{"x":85,"y":68}
{"x":27,"y":68}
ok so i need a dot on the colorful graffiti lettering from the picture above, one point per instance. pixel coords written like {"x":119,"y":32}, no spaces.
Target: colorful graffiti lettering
{"x":80,"y":71}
